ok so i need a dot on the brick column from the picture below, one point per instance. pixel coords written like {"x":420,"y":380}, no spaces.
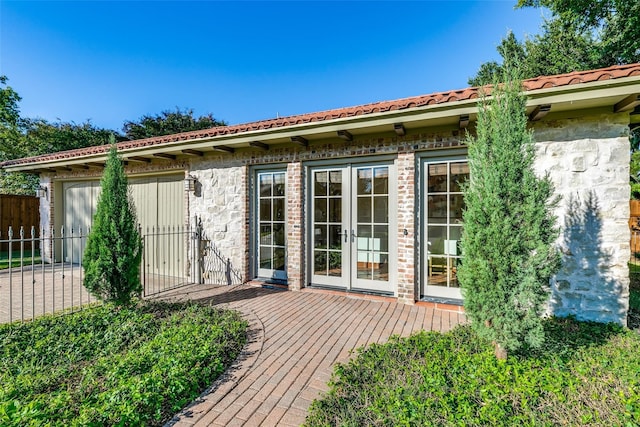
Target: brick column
{"x":295,"y":226}
{"x":406,"y":221}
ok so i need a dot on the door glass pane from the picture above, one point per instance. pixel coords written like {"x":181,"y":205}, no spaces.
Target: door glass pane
{"x":437,"y":271}
{"x":436,"y":237}
{"x":364,"y":209}
{"x":265,"y":210}
{"x":335,"y":210}
{"x":456,"y":205}
{"x":459,"y":175}
{"x":381,"y":180}
{"x":453,"y":268}
{"x":320,"y":236}
{"x":335,"y":263}
{"x":365,"y":270}
{"x":335,"y":238}
{"x":320,"y":209}
{"x":265,"y":257}
{"x":278,"y":209}
{"x":364,"y":181}
{"x":265,"y":234}
{"x":381,"y":267}
{"x":437,"y":209}
{"x":278,"y":184}
{"x":437,"y":178}
{"x":320,"y":263}
{"x":381,"y":209}
{"x":335,"y":183}
{"x":278,"y":234}
{"x":320,"y":183}
{"x":265,"y":185}
{"x":381,"y":238}
{"x":278,"y":259}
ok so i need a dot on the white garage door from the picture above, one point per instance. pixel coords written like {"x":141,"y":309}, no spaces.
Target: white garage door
{"x":159,"y":205}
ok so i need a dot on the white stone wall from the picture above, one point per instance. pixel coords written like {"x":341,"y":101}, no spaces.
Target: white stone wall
{"x":220,"y":202}
{"x":588,"y":162}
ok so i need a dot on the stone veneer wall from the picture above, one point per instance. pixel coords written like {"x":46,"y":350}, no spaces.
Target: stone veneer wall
{"x":588,"y":162}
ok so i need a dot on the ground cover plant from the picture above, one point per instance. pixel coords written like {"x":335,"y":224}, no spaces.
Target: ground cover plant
{"x":584,"y":374}
{"x":107,"y":366}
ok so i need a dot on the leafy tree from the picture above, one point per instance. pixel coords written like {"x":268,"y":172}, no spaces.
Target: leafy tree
{"x":509,"y":230}
{"x":167,"y":123}
{"x":44,"y":137}
{"x":616,"y":24}
{"x":114,"y":248}
{"x":12,"y":144}
{"x":580,"y":35}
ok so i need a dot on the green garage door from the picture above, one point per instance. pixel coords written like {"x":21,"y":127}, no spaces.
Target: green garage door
{"x":159,"y":205}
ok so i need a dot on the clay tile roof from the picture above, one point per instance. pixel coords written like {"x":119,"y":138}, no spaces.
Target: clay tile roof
{"x":543,"y":82}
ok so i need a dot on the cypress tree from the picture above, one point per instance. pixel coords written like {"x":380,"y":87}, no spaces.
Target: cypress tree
{"x":114,"y":248}
{"x":509,"y":227}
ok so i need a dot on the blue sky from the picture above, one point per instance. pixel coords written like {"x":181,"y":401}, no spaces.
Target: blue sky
{"x":242,"y":61}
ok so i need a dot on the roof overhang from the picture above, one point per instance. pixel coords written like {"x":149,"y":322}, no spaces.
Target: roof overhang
{"x":614,"y":94}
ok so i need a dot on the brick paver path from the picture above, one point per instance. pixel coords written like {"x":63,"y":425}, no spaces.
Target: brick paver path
{"x":294,"y":340}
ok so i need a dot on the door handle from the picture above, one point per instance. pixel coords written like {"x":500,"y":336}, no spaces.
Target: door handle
{"x":353,"y":235}
{"x":345,"y":234}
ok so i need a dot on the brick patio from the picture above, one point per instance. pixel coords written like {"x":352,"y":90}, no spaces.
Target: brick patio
{"x":294,"y":340}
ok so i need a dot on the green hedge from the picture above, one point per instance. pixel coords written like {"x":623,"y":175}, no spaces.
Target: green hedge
{"x":587,"y":374}
{"x":108,"y":366}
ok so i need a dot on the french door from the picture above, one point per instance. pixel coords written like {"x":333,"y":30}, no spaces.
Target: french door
{"x":271,"y":215}
{"x":443,"y":204}
{"x":352,"y":242}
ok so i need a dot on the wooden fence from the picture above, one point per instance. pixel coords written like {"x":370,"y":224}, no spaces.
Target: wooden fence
{"x":17,"y":211}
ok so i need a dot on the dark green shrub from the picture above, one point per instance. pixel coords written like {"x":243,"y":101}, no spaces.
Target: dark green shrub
{"x":509,"y":230}
{"x":114,"y":249}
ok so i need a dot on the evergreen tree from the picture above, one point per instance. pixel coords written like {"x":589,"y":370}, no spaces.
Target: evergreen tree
{"x":509,"y":229}
{"x":114,"y":248}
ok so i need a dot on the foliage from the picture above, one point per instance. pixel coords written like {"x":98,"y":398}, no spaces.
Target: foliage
{"x":44,"y":137}
{"x":114,"y":249}
{"x":509,"y":230}
{"x":100,"y":366}
{"x":586,"y":374}
{"x":167,"y":123}
{"x":580,"y":35}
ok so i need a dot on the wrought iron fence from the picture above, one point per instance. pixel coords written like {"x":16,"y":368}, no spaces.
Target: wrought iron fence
{"x":41,"y":270}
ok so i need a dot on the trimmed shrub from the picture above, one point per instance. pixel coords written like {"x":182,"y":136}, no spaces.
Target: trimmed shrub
{"x":114,"y":248}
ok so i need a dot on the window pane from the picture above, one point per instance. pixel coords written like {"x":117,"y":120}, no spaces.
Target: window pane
{"x":453,"y":268}
{"x":437,"y":178}
{"x":278,"y":209}
{"x":437,"y":271}
{"x":278,"y":234}
{"x":265,"y":210}
{"x":381,"y":209}
{"x":437,"y":209}
{"x":320,"y":204}
{"x":364,"y":181}
{"x":265,"y":184}
{"x":381,"y":180}
{"x":278,"y":184}
{"x":455,"y":233}
{"x":320,"y":185}
{"x":459,"y":175}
